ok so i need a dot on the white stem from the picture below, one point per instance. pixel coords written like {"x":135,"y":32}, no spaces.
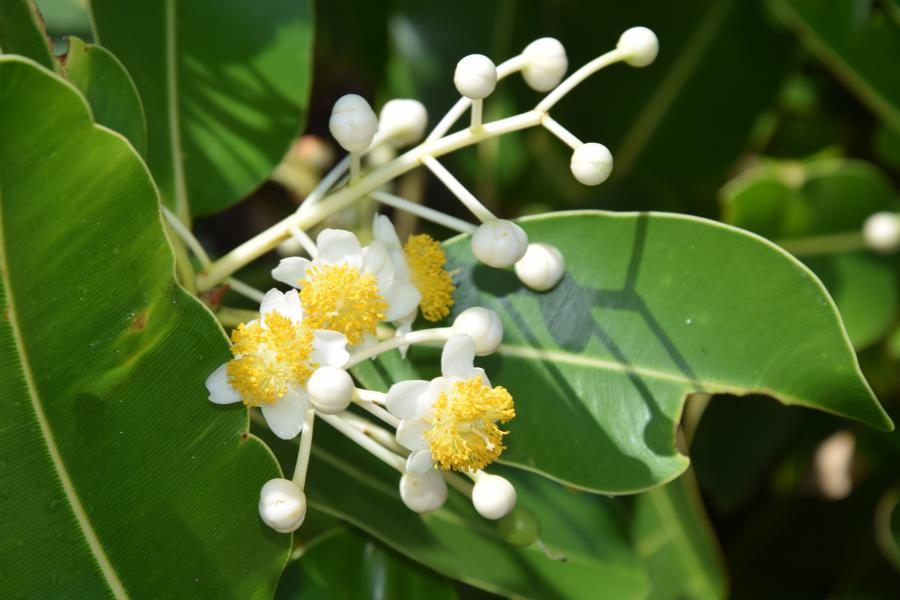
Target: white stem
{"x":325,"y":185}
{"x":307,"y":242}
{"x":245,"y":290}
{"x":370,"y":396}
{"x":355,"y":166}
{"x":187,"y":237}
{"x":459,"y":190}
{"x":458,"y":483}
{"x":611,"y":57}
{"x":379,"y":434}
{"x":437,"y":334}
{"x":477,"y":109}
{"x":365,"y":442}
{"x":379,"y":412}
{"x":306,"y":435}
{"x":553,"y":126}
{"x":429,"y":214}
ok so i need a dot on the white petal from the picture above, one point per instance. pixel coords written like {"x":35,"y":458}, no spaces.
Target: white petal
{"x":337,"y":246}
{"x":404,"y":325}
{"x":383,"y":230}
{"x":403,"y":397}
{"x":402,"y":297}
{"x":220,"y":391}
{"x":411,"y":434}
{"x":377,"y":261}
{"x":329,"y":348}
{"x":287,"y":304}
{"x":285,"y":417}
{"x":291,"y":271}
{"x":419,"y":461}
{"x":458,"y":357}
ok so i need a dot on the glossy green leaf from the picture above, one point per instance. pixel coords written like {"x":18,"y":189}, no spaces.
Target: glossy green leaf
{"x":816,"y":210}
{"x":455,"y":541}
{"x":653,"y":307}
{"x":348,"y":565}
{"x":22,"y":32}
{"x":224,"y":88}
{"x":109,"y":90}
{"x":677,"y":543}
{"x":854,"y":41}
{"x":118,"y":477}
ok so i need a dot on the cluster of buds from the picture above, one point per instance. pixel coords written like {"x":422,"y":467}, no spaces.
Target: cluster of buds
{"x":349,"y":302}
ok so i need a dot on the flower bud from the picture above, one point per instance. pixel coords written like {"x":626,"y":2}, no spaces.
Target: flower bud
{"x":591,"y":163}
{"x":641,"y":45}
{"x":545,"y":64}
{"x":403,"y":121}
{"x":520,"y":527}
{"x":881,"y":232}
{"x":330,"y":390}
{"x":475,"y":76}
{"x":542,"y":267}
{"x":282,"y":505}
{"x":353,"y":123}
{"x":499,"y":243}
{"x":483,"y":326}
{"x":423,"y":492}
{"x":493,"y":496}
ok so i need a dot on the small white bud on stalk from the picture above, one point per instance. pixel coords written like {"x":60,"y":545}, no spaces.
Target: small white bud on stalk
{"x":423,"y":492}
{"x":475,"y":76}
{"x":591,"y":163}
{"x":483,"y":326}
{"x":499,"y":243}
{"x":545,"y":64}
{"x":353,"y":123}
{"x":330,"y":390}
{"x":641,"y":45}
{"x":403,"y":121}
{"x":493,"y":496}
{"x":542,"y":267}
{"x":881,"y":232}
{"x":282,"y":505}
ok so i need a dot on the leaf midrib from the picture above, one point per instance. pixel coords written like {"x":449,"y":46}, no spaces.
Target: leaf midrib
{"x":180,"y":191}
{"x":106,"y":568}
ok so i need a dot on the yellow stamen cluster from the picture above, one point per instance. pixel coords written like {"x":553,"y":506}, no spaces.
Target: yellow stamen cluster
{"x":268,"y":359}
{"x":426,"y":261}
{"x":340,"y":298}
{"x":464,"y":434}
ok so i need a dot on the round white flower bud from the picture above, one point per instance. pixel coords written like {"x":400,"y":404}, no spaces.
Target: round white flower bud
{"x":881,"y":232}
{"x":330,"y":390}
{"x":403,"y":121}
{"x":423,"y":492}
{"x":475,"y":76}
{"x":353,"y":123}
{"x":591,"y":163}
{"x":483,"y":326}
{"x":545,"y":64}
{"x":641,"y":45}
{"x":493,"y":496}
{"x":542,"y":266}
{"x":282,"y":505}
{"x":499,"y":243}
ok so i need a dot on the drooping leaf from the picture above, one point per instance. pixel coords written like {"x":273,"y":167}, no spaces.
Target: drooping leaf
{"x":225,"y":89}
{"x":852,"y":40}
{"x":677,"y":543}
{"x":119,"y":478}
{"x":109,"y":90}
{"x":22,"y":32}
{"x":817,"y":210}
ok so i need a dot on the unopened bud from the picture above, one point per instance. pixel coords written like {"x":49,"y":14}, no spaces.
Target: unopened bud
{"x":475,"y":76}
{"x":483,"y":326}
{"x":881,"y":232}
{"x":282,"y":505}
{"x":641,"y":46}
{"x":542,"y":267}
{"x":330,"y":390}
{"x":403,"y":121}
{"x":423,"y":492}
{"x":353,"y":123}
{"x":499,"y":243}
{"x":545,"y":65}
{"x":591,"y":163}
{"x":493,"y":496}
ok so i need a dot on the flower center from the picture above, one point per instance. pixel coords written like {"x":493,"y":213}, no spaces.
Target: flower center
{"x":426,"y":261}
{"x":464,"y":433}
{"x":268,"y":359}
{"x":340,"y":298}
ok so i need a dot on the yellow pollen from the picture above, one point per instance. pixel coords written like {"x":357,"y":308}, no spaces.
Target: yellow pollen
{"x":340,"y":298}
{"x":269,"y":359}
{"x":464,"y":434}
{"x":426,"y":261}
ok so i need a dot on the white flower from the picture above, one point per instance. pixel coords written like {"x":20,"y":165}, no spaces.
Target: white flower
{"x":451,"y":421}
{"x":273,"y":359}
{"x":348,"y":288}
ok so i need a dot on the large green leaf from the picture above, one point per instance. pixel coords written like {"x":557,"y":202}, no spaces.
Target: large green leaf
{"x":677,"y":542}
{"x":817,"y":211}
{"x":22,"y":32}
{"x":224,"y":87}
{"x":118,"y":477}
{"x":854,"y":41}
{"x":653,"y":307}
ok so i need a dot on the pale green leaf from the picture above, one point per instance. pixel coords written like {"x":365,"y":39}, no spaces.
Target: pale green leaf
{"x":22,"y":32}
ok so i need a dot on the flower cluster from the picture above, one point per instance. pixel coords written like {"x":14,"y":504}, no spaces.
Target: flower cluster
{"x":350,"y":302}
